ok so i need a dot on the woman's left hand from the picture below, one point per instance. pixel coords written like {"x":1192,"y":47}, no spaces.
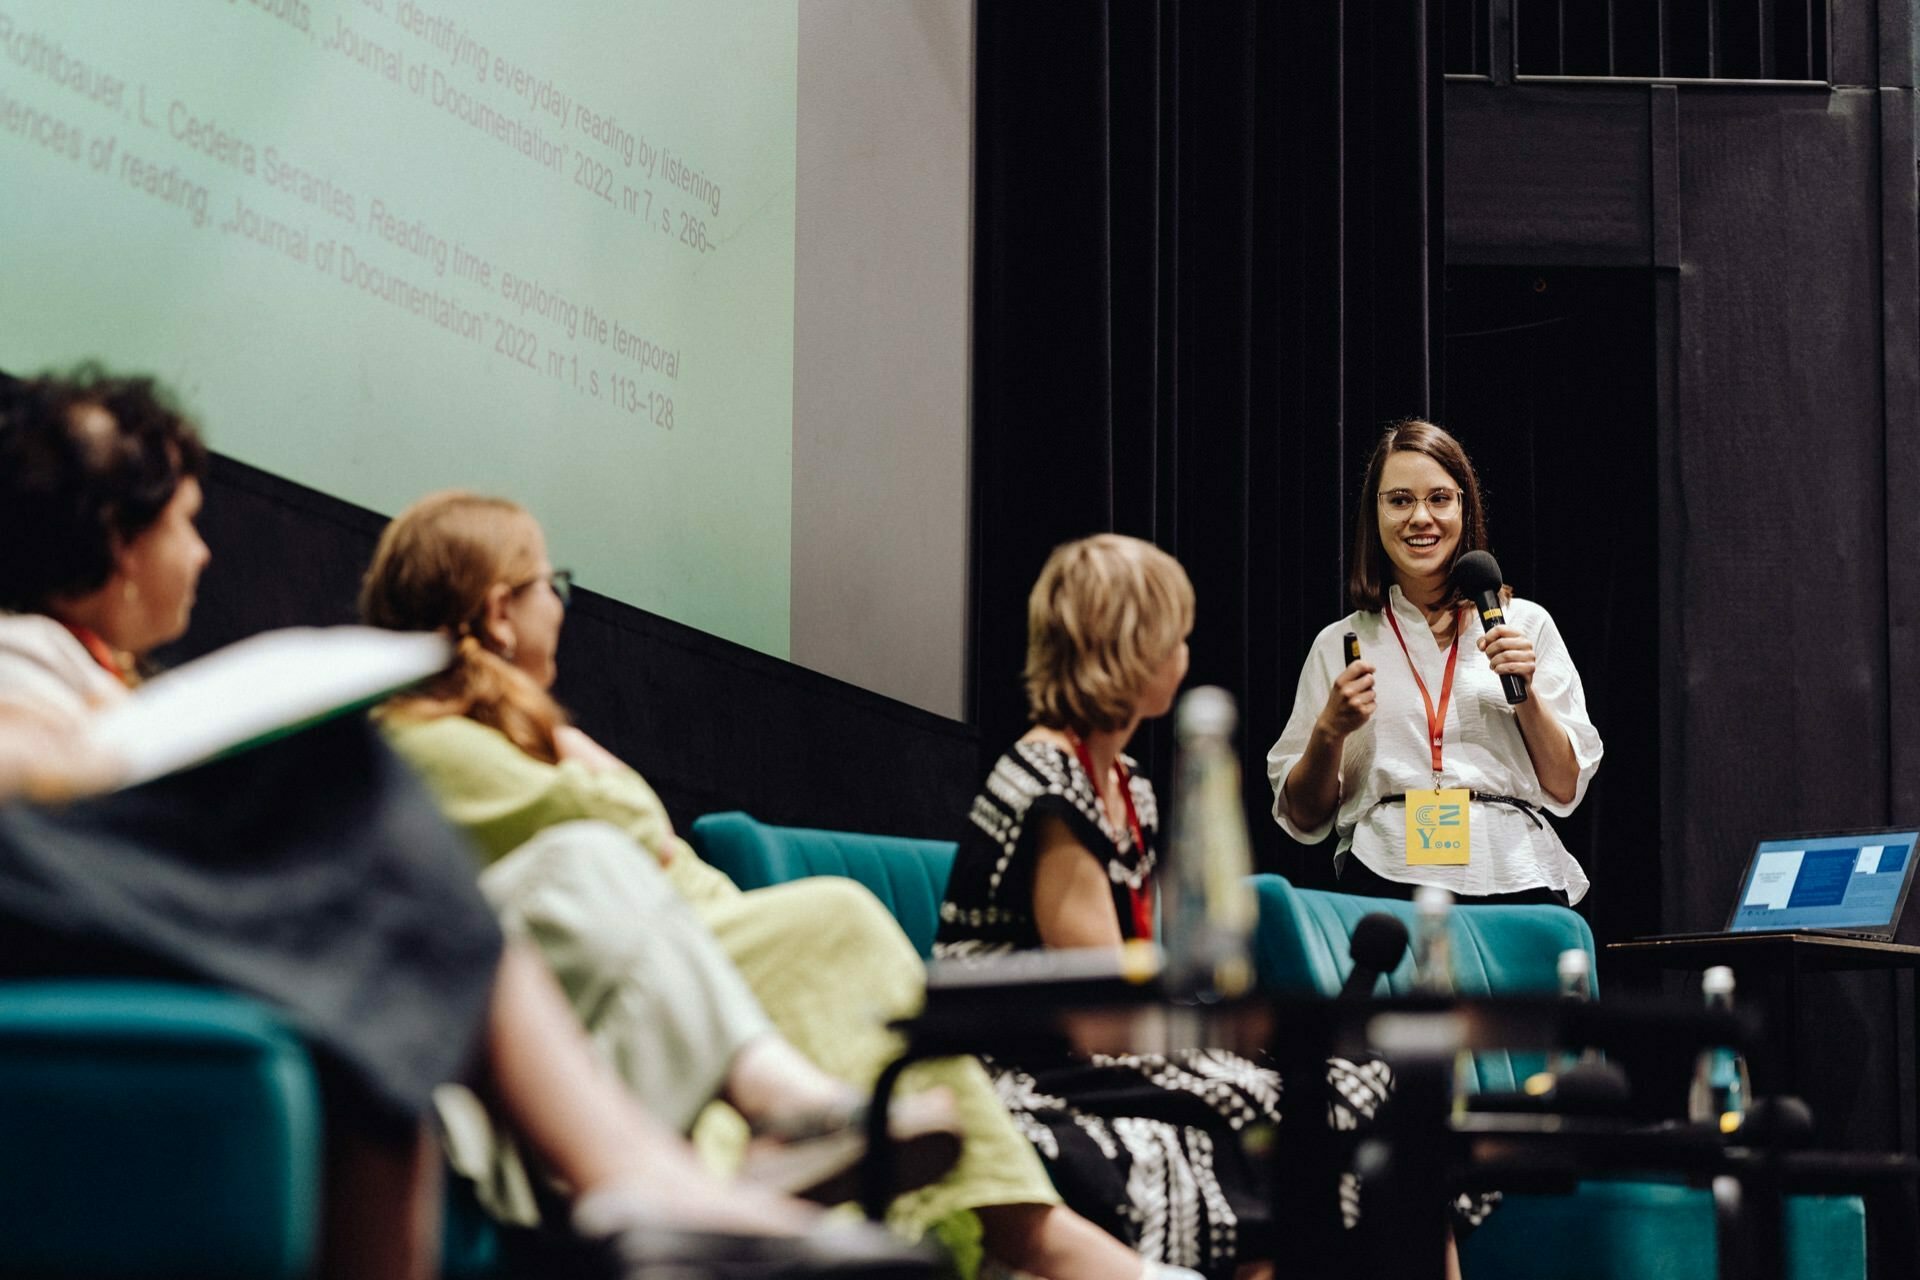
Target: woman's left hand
{"x":1509,"y":652}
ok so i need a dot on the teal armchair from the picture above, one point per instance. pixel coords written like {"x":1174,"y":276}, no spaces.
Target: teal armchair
{"x":1608,"y":1229}
{"x":151,"y":1130}
{"x":1301,"y":949}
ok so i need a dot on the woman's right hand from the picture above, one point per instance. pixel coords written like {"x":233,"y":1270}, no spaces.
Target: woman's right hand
{"x":1349,"y":702}
{"x":575,"y":747}
{"x":47,"y":760}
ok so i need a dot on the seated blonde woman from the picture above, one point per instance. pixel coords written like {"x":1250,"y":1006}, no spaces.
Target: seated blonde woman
{"x":1062,"y":850}
{"x":824,"y":958}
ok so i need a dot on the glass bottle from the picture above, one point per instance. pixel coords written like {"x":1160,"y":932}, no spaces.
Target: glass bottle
{"x":1208,"y":909}
{"x":1721,"y":1087}
{"x":1432,"y":943}
{"x":1575,"y":969}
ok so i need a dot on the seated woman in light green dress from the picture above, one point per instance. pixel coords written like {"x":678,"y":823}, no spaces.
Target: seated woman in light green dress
{"x":825,"y":959}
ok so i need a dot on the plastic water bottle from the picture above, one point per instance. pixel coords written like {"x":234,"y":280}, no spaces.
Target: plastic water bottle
{"x":1721,"y":1087}
{"x":1433,"y":974}
{"x":1575,"y":968}
{"x":1208,"y":909}
{"x":1432,"y":944}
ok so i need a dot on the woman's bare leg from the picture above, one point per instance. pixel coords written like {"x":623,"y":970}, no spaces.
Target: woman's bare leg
{"x":769,"y":1079}
{"x":587,"y":1128}
{"x":381,"y":1209}
{"x":1053,"y":1241}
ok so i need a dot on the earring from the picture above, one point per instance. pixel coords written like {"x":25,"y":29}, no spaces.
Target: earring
{"x":510,"y":653}
{"x":129,"y":591}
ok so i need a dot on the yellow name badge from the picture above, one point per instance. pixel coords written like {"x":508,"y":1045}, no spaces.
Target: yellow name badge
{"x":1437,"y":828}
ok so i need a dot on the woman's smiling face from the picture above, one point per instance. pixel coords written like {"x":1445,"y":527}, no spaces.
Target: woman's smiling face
{"x":1419,"y":541}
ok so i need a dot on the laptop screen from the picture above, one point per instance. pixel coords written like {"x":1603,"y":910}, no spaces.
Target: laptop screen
{"x":1826,"y":882}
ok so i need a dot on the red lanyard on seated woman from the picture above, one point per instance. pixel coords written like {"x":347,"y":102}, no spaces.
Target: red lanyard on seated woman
{"x":1140,"y":899}
{"x":98,"y":650}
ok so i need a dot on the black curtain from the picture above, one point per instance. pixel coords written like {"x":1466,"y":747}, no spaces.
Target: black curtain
{"x":1207,"y":272}
{"x":1550,"y":380}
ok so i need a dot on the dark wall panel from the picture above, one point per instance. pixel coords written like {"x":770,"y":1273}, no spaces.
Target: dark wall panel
{"x":1563,"y":172}
{"x":1774,"y":428}
{"x":1780,"y":457}
{"x":1550,"y":386}
{"x":1900,"y":372}
{"x":710,"y":724}
{"x":1781,"y":659}
{"x":1779,"y":237}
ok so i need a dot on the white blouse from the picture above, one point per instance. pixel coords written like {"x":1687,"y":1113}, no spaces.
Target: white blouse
{"x":42,"y":666}
{"x":1482,"y":750}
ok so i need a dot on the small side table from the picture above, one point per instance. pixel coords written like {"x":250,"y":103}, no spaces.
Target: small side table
{"x":1771,"y":967}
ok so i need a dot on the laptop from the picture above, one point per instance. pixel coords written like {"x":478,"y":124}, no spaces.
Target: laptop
{"x":1848,"y":884}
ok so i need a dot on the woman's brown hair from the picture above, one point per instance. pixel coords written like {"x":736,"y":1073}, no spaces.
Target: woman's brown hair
{"x":1368,"y":573}
{"x":88,"y":461}
{"x":432,"y":571}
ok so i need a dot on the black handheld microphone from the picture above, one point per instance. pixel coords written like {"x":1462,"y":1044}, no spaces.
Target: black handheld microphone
{"x":1378,"y":942}
{"x":1477,"y":574}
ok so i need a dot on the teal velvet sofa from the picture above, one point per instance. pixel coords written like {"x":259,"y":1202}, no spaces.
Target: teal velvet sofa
{"x":908,"y":876}
{"x":1607,"y":1230}
{"x":152,"y":1130}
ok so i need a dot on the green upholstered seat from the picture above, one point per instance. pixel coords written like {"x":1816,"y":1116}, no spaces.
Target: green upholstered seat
{"x":1650,"y":1230}
{"x":908,"y":876}
{"x":1301,"y":949}
{"x":470,"y":1246}
{"x":1605,"y":1230}
{"x":149,"y":1129}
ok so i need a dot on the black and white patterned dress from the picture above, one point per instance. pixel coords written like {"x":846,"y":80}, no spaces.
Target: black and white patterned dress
{"x":1150,"y":1147}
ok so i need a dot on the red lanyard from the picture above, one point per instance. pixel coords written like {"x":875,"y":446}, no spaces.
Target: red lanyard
{"x":97,"y":650}
{"x":1436,"y":720}
{"x":1141,"y":899}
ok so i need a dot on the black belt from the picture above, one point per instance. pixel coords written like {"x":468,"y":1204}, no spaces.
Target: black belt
{"x":1513,"y":802}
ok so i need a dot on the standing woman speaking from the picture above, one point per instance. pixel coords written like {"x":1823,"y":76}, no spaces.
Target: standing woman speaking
{"x":1411,"y":751}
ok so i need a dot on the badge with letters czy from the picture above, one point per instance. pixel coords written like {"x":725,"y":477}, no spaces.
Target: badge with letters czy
{"x":1437,"y":827}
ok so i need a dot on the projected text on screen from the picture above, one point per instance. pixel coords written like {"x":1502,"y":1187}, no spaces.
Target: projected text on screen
{"x":388,"y":246}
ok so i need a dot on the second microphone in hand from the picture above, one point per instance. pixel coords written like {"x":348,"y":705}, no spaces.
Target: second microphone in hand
{"x":1477,"y":575}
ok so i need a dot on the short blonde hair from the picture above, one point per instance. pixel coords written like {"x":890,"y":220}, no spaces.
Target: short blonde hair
{"x":1104,"y":615}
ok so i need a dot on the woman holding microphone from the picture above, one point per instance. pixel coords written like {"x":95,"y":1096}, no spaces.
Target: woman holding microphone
{"x":1411,"y":750}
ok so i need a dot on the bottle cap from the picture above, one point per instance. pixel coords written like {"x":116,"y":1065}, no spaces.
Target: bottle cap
{"x":1717,"y":981}
{"x":1574,"y":962}
{"x":1429,"y":899}
{"x":1206,"y":712}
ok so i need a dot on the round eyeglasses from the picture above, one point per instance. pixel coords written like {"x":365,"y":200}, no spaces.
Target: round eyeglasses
{"x":1440,"y":503}
{"x":561,"y":580}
